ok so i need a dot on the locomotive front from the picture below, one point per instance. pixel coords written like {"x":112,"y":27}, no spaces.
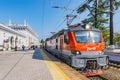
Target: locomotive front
{"x":88,"y":47}
{"x":82,"y":47}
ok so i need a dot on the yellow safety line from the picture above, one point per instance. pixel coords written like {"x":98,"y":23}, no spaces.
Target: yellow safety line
{"x":55,"y":71}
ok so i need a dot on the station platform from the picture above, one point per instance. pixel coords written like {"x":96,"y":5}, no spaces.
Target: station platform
{"x":35,"y":65}
{"x":114,"y":54}
{"x":112,"y":51}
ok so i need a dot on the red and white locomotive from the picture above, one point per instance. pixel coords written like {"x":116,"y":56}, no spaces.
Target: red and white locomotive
{"x":81,"y":46}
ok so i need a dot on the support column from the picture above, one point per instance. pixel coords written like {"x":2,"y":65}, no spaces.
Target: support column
{"x":9,"y":43}
{"x":13,"y":43}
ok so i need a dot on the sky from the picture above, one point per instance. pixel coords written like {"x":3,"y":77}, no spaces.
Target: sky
{"x":41,"y":16}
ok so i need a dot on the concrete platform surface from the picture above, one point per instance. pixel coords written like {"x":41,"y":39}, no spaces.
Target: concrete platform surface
{"x":34,"y":65}
{"x":24,"y":65}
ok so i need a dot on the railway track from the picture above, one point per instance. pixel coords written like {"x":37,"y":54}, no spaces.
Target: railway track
{"x":110,"y":73}
{"x":97,"y":78}
{"x":114,"y":63}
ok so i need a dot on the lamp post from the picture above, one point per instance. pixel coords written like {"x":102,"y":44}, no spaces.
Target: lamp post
{"x":111,"y":23}
{"x":96,"y":7}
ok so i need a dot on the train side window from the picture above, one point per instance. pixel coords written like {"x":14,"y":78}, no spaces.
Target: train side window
{"x":56,"y":43}
{"x":56,"y":40}
{"x":66,"y":40}
{"x":51,"y":41}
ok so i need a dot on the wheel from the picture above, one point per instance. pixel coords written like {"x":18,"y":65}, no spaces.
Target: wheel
{"x":69,"y":61}
{"x":107,"y":62}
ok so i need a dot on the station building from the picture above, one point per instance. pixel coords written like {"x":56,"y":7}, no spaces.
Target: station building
{"x":16,"y":35}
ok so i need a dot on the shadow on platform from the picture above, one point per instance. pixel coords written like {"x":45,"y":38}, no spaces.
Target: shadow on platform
{"x":37,"y":55}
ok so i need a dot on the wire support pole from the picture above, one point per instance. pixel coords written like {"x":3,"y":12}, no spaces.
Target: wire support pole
{"x":96,"y":7}
{"x":111,"y":22}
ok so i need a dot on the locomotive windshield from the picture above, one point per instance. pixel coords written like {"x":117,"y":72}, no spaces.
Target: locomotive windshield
{"x":87,"y":36}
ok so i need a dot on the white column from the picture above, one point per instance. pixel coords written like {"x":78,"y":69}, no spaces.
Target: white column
{"x":9,"y":43}
{"x":13,"y":44}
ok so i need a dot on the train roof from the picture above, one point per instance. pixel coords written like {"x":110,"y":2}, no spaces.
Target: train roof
{"x":47,"y":39}
{"x":75,"y":27}
{"x":78,"y":26}
{"x":58,"y":33}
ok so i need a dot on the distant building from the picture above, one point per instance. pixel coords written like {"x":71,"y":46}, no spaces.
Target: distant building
{"x":16,"y":35}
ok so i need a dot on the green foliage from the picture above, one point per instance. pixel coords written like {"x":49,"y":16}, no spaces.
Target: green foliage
{"x":116,"y":38}
{"x":82,"y":8}
{"x":90,"y":6}
{"x":88,"y":20}
{"x":102,"y":15}
{"x":102,"y":11}
{"x":116,"y":4}
{"x":42,"y":41}
{"x":106,"y":34}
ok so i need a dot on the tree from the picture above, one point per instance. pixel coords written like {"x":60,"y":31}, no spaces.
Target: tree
{"x":99,"y":13}
{"x":114,"y":4}
{"x":106,"y":34}
{"x":116,"y":37}
{"x":42,"y":41}
{"x":96,"y":15}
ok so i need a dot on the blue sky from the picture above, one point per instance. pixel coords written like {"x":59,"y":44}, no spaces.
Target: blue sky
{"x":40,"y":15}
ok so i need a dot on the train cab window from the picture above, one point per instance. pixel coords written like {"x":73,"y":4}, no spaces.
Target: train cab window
{"x":87,"y":36}
{"x":66,"y":40}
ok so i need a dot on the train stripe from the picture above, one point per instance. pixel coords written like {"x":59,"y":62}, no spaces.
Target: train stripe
{"x":55,"y":71}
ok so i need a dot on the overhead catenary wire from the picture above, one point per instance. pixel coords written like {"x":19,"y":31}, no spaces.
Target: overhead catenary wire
{"x":80,"y":6}
{"x":117,"y":12}
{"x":43,"y":14}
{"x":57,"y":24}
{"x":61,"y":23}
{"x":70,"y":13}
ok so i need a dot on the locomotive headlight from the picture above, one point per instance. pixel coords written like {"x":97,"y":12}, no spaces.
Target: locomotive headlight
{"x":88,"y":26}
{"x":101,"y":52}
{"x":75,"y":52}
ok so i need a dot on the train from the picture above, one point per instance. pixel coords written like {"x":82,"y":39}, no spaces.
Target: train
{"x":81,"y":47}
